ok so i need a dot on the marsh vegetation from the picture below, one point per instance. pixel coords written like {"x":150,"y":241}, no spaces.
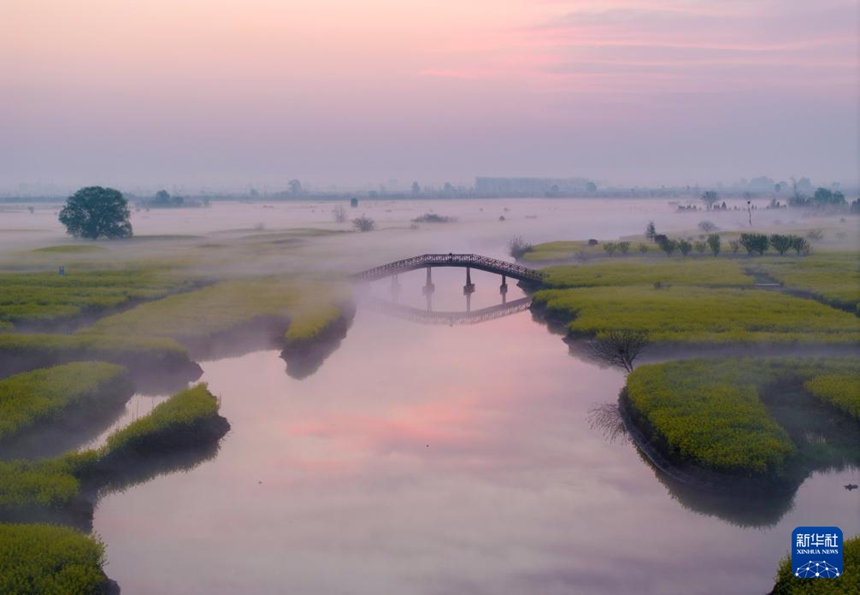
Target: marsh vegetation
{"x":235,"y":302}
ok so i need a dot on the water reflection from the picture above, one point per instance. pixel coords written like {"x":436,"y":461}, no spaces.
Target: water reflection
{"x":427,"y":459}
{"x":607,"y":419}
{"x":143,"y":467}
{"x":69,"y":431}
{"x":306,"y":360}
{"x":428,"y":316}
{"x":153,"y":381}
{"x":740,"y":510}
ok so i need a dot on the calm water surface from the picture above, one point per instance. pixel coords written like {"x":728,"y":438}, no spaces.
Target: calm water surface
{"x":435,"y":459}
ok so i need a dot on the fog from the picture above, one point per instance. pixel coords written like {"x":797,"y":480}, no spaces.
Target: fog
{"x":275,"y":236}
{"x":415,"y":457}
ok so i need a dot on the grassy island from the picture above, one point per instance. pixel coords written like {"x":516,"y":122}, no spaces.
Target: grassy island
{"x":698,"y":315}
{"x":42,"y":395}
{"x":39,"y":559}
{"x":776,"y":417}
{"x":21,"y":352}
{"x":47,"y":298}
{"x":230,"y":306}
{"x":188,"y":418}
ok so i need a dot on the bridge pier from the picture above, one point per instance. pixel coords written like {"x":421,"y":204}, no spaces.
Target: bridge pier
{"x":468,"y":302}
{"x":395,"y":288}
{"x":469,"y":288}
{"x":429,"y":288}
{"x":503,"y":290}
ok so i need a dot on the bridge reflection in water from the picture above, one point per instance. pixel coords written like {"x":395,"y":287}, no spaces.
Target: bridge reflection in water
{"x":449,"y":318}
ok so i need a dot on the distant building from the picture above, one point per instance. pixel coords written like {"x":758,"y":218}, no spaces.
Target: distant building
{"x":532,"y":186}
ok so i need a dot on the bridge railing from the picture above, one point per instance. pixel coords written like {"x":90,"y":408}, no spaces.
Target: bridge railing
{"x":463,"y":260}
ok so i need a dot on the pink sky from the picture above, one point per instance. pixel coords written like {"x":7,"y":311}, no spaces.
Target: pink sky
{"x":223,"y":93}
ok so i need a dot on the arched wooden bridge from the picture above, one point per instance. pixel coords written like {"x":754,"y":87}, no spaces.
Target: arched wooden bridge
{"x":473,"y":261}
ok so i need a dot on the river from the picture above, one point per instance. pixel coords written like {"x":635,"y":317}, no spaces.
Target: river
{"x":435,"y":459}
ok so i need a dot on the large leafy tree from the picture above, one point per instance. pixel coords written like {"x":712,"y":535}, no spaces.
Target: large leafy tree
{"x":94,"y":212}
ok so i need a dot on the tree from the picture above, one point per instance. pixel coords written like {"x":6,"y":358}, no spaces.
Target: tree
{"x":295,"y":187}
{"x":517,"y":247}
{"x":416,"y":189}
{"x":619,"y":347}
{"x":800,"y":245}
{"x":684,"y":246}
{"x":781,"y":243}
{"x":824,"y":197}
{"x":162,"y":198}
{"x":700,"y":247}
{"x":666,"y":245}
{"x":94,"y":212}
{"x":754,"y":242}
{"x":339,"y":214}
{"x":624,"y":247}
{"x":364,"y":223}
{"x":610,"y":248}
{"x":650,"y":231}
{"x":714,"y":243}
{"x":707,"y":226}
{"x":709,"y":198}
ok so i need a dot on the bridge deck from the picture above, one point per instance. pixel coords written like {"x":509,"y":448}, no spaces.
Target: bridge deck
{"x":475,"y":261}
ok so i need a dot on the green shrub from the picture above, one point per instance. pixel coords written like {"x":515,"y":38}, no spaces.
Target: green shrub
{"x":781,"y":243}
{"x":46,"y":559}
{"x":32,"y":397}
{"x":668,"y":245}
{"x":624,"y":247}
{"x":684,"y":247}
{"x":714,"y":243}
{"x":800,"y":245}
{"x":754,"y":242}
{"x":847,"y":584}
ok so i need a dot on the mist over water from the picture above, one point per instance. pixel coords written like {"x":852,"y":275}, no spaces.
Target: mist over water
{"x":433,"y":459}
{"x":423,"y":458}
